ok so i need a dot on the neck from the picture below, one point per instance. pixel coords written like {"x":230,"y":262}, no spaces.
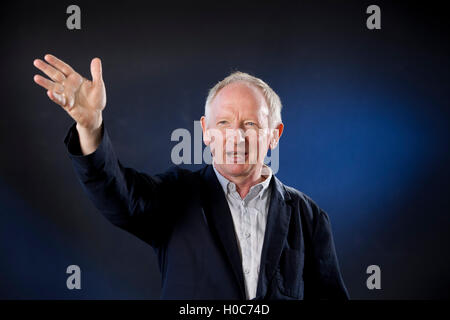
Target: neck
{"x":244,"y":183}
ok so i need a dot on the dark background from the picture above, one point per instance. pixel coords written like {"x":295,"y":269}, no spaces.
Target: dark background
{"x":366,"y":117}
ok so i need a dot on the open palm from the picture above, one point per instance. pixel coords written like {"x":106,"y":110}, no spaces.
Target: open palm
{"x":83,"y":99}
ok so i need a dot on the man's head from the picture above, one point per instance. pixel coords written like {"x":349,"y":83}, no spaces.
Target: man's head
{"x":242,"y":121}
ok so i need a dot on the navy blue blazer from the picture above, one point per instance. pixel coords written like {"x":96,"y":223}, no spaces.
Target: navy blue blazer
{"x":185,"y":217}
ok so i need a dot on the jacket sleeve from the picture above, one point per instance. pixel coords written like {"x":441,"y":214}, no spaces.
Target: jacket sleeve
{"x":328,"y":282}
{"x":134,"y":201}
{"x":322,"y":276}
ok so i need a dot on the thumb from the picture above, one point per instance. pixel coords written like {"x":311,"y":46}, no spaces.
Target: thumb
{"x":96,"y":71}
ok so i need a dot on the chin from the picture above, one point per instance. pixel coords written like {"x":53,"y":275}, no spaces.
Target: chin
{"x":237,"y":169}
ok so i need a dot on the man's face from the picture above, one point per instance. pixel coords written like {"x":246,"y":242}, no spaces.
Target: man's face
{"x":237,"y":129}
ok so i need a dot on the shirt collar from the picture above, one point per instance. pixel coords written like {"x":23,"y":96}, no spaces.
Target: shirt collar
{"x":225,"y":183}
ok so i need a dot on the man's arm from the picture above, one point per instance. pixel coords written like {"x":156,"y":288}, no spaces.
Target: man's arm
{"x":131,"y":200}
{"x":329,"y":283}
{"x":322,"y":275}
{"x":89,"y":139}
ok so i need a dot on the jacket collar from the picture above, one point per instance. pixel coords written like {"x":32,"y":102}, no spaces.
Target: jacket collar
{"x":275,"y":236}
{"x":220,"y":221}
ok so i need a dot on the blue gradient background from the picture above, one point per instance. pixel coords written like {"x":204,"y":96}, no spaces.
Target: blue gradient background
{"x":366,"y":118}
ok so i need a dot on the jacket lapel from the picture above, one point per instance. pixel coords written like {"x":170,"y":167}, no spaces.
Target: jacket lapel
{"x":221,"y":224}
{"x":220,"y":221}
{"x":275,"y":235}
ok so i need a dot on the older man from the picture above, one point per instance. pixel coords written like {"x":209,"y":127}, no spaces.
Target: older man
{"x":231,"y":230}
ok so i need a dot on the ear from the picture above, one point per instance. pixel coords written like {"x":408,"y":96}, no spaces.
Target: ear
{"x":206,"y":135}
{"x":276,"y":135}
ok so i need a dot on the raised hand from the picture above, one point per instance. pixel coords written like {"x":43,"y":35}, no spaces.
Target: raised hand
{"x":83,"y":99}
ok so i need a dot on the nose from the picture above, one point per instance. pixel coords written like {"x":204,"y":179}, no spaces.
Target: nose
{"x":237,"y":135}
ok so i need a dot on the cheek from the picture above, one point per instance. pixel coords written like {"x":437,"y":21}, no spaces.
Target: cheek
{"x":258,"y":142}
{"x":263,"y":140}
{"x":217,"y":140}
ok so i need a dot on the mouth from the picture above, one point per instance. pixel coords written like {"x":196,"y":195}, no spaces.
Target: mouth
{"x":237,"y":157}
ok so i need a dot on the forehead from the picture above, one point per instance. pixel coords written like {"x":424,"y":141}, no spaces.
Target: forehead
{"x":239,"y":96}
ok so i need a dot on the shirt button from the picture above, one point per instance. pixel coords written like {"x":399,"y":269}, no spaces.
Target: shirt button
{"x":247,"y":234}
{"x":246,"y":271}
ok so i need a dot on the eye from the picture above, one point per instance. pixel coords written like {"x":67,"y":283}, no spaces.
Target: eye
{"x":222,"y":122}
{"x":249,"y":123}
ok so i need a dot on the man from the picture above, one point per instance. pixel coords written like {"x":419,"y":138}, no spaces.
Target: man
{"x":231,"y":230}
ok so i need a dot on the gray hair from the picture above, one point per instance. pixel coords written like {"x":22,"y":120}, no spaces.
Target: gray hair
{"x":272,"y":99}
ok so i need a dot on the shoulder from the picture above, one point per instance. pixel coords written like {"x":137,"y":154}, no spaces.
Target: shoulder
{"x":183,"y":178}
{"x":298,"y":197}
{"x":311,"y":213}
{"x":174,"y":173}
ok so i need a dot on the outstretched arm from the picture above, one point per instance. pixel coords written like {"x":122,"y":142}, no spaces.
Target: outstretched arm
{"x":129,"y":199}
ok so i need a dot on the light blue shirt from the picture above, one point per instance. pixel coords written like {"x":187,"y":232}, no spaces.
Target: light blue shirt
{"x":249,"y":219}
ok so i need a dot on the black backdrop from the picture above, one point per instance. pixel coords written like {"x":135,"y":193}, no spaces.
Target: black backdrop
{"x":366,"y":115}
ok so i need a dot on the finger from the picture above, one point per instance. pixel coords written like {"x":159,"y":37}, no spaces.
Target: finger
{"x":57,"y":98}
{"x":59,"y":64}
{"x":49,"y":85}
{"x":96,"y":71}
{"x":53,"y":73}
